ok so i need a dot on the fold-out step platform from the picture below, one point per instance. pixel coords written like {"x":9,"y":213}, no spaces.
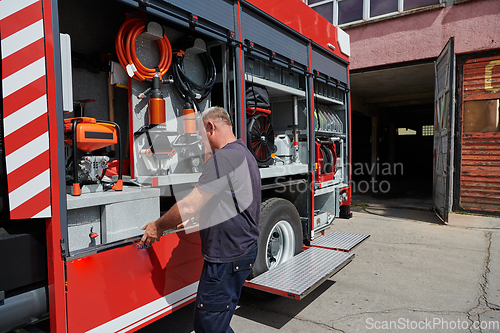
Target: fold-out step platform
{"x":340,"y":241}
{"x":301,"y":274}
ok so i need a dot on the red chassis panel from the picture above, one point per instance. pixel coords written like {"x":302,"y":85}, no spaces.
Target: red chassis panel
{"x":124,"y":289}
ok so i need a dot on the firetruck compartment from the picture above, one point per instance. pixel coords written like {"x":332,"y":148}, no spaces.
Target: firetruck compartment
{"x":326,"y":208}
{"x":161,"y":153}
{"x":330,"y":119}
{"x":178,"y":162}
{"x":106,"y":217}
{"x":285,"y":87}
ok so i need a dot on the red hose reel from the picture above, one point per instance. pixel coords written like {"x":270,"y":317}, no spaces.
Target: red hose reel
{"x":326,"y":160}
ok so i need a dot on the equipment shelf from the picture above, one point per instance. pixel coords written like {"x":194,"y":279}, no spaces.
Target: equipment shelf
{"x":275,"y":89}
{"x":325,"y":99}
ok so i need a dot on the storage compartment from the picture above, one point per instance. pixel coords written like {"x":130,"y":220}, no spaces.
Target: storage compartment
{"x":331,"y":132}
{"x":158,"y":117}
{"x":326,"y":208}
{"x":285,"y":119}
{"x":102,"y":218}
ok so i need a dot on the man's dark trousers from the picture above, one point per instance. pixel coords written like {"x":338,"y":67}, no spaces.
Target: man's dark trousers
{"x":218,"y":293}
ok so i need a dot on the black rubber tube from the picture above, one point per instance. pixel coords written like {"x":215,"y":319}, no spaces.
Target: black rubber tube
{"x":185,"y":85}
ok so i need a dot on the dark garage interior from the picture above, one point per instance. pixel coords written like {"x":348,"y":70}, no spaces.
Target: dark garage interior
{"x":392,"y":133}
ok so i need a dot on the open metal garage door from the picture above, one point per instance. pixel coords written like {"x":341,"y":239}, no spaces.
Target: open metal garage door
{"x":444,"y":130}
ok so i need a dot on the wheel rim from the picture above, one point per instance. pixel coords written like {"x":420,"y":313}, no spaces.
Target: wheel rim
{"x":280,"y":244}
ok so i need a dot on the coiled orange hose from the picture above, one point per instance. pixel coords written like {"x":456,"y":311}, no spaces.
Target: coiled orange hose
{"x":125,"y":49}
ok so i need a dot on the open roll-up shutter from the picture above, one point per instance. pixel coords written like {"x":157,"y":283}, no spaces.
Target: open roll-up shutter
{"x":329,"y":65}
{"x":268,"y":34}
{"x":219,"y":12}
{"x":213,"y":18}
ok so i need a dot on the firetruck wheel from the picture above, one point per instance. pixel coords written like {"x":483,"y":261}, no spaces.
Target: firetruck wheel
{"x":280,"y":235}
{"x":280,"y":239}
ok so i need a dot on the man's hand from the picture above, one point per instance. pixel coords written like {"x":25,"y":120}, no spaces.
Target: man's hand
{"x":152,"y":233}
{"x":187,"y":208}
{"x":182,"y":225}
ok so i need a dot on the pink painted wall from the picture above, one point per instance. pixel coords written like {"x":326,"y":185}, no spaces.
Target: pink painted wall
{"x":475,"y":26}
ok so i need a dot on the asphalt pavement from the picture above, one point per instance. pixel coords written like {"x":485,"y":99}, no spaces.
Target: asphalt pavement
{"x":414,"y":274}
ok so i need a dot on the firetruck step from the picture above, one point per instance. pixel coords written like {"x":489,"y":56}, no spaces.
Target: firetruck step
{"x":301,"y":274}
{"x":340,"y":241}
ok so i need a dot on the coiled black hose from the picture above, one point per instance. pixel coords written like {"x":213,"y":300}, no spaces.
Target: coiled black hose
{"x":187,"y":87}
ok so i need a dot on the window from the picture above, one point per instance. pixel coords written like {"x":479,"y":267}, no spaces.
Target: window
{"x":406,"y":131}
{"x":428,"y":130}
{"x":350,"y":11}
{"x":481,"y":116}
{"x":325,"y":10}
{"x":341,"y":12}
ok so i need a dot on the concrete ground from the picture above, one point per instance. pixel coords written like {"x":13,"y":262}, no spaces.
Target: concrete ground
{"x":413,"y":274}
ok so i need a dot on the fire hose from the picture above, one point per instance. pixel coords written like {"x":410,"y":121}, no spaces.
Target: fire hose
{"x":125,"y":49}
{"x":192,"y":92}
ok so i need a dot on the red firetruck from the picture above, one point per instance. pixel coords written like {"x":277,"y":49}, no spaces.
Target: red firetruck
{"x":99,"y":136}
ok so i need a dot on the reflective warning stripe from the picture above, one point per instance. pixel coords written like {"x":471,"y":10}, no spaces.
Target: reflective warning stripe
{"x":25,"y":119}
{"x":149,"y":312}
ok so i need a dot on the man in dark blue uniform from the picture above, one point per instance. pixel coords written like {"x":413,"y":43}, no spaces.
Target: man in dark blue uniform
{"x":227,"y":199}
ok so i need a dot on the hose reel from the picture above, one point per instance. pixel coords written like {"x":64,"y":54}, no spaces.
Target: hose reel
{"x":127,"y":56}
{"x":261,"y":139}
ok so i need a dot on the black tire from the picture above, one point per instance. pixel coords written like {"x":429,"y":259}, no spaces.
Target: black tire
{"x":276,"y":213}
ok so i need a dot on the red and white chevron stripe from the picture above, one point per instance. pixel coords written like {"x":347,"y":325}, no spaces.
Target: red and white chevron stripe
{"x":25,"y":118}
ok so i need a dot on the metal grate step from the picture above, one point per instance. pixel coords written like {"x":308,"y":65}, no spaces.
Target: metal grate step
{"x":340,"y":241}
{"x":301,"y":274}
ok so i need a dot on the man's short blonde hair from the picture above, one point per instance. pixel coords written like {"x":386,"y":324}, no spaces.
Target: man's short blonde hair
{"x":216,"y":113}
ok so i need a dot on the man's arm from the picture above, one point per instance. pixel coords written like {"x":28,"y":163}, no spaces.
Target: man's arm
{"x":181,"y":211}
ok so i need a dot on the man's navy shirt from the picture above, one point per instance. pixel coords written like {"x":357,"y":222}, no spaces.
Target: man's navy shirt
{"x":229,"y":222}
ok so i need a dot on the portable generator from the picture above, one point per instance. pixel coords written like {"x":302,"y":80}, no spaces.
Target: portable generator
{"x":83,"y":136}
